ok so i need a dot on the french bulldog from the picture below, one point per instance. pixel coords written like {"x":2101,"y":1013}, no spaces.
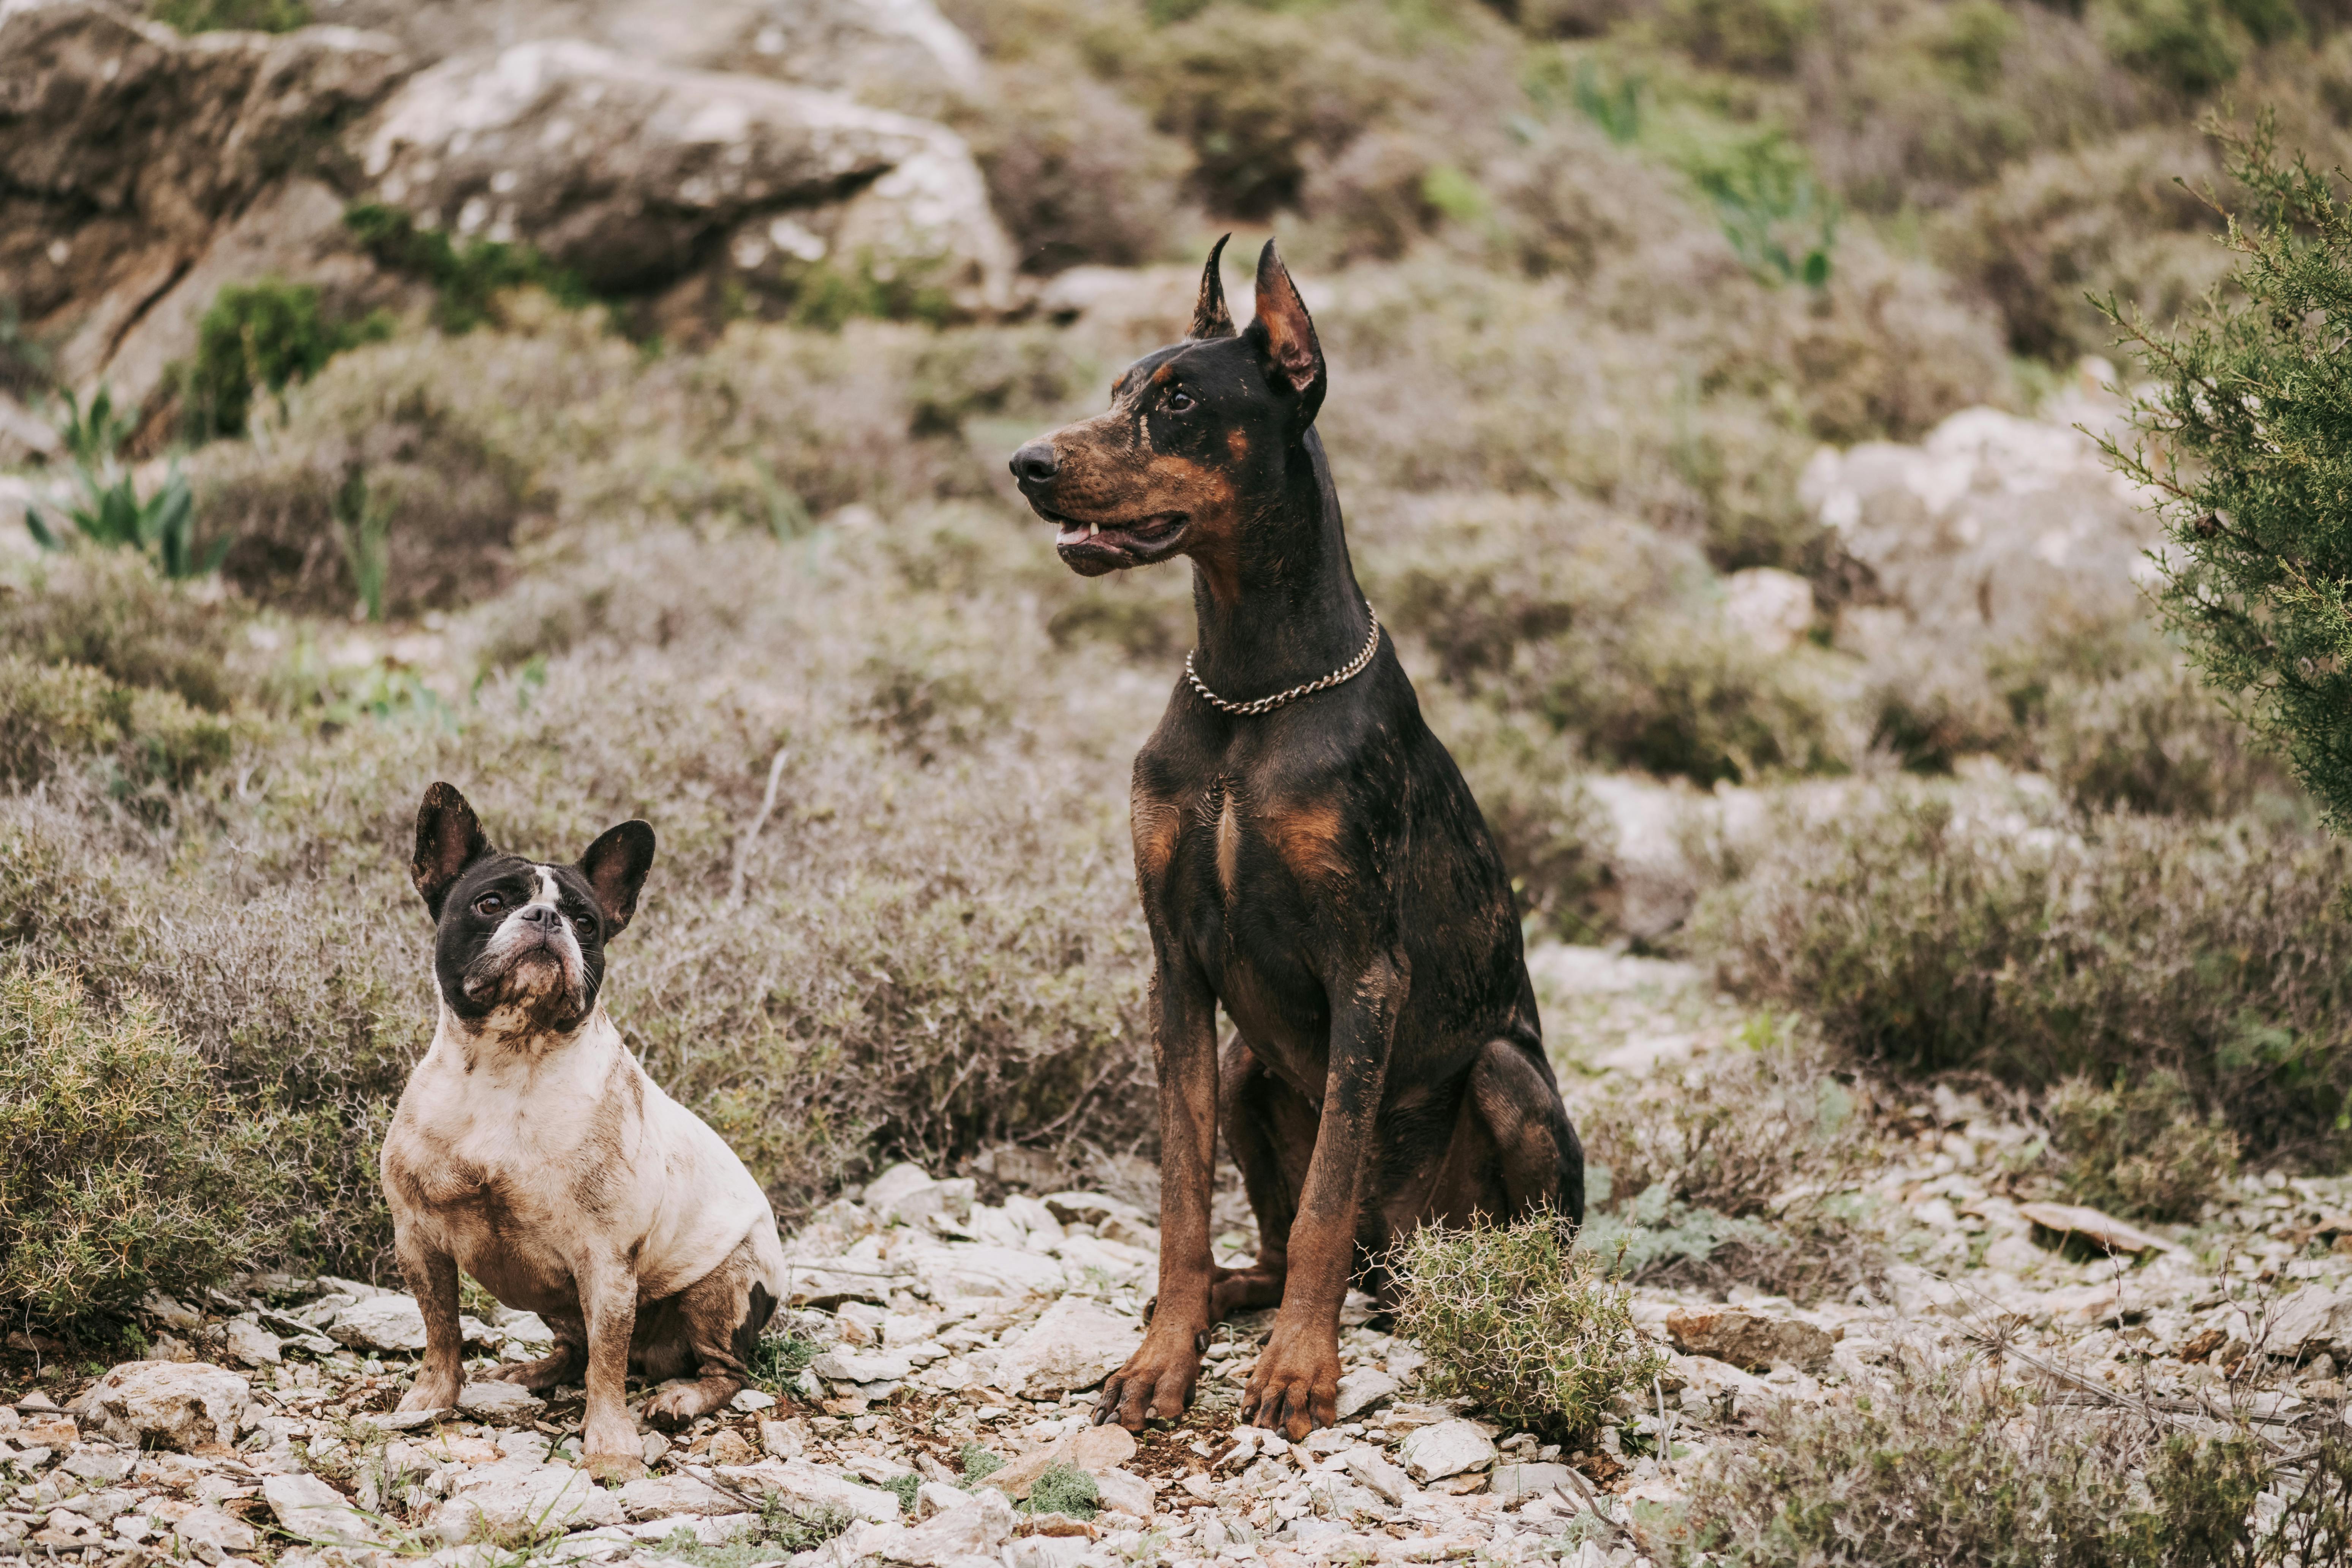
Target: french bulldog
{"x":531,"y":1150}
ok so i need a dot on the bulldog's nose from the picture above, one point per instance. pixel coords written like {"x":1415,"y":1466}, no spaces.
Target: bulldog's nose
{"x":542,"y":915}
{"x":1034,"y":463}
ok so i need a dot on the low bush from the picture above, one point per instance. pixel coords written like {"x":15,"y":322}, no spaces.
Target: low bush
{"x":1076,"y":170}
{"x":1064,"y":1488}
{"x":221,"y":15}
{"x":467,"y":282}
{"x":2139,"y":1149}
{"x":111,"y":611}
{"x":122,"y":1167}
{"x":1933,"y":940}
{"x":262,"y":337}
{"x":1519,"y":1319}
{"x":1949,"y":1466}
{"x":53,"y":716}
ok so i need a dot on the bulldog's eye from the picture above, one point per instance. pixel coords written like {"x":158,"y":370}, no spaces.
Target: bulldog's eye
{"x":489,"y":903}
{"x":1180,"y":401}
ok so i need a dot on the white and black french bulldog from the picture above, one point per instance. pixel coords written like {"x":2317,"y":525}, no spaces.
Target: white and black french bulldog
{"x":532,"y":1151}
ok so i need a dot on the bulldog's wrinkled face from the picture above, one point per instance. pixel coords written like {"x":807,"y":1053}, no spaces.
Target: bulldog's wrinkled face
{"x":520,"y":948}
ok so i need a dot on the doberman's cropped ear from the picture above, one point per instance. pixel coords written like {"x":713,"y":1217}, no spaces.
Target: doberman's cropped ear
{"x":448,"y":839}
{"x":1210,"y":317}
{"x":615,"y":866}
{"x":1284,"y":336}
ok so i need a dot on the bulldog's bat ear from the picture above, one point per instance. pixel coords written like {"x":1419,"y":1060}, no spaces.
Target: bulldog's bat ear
{"x":615,"y":866}
{"x":1210,"y":317}
{"x":448,"y":839}
{"x":1286,"y":336}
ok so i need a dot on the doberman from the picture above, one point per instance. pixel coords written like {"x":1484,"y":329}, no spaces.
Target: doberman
{"x":1308,"y":855}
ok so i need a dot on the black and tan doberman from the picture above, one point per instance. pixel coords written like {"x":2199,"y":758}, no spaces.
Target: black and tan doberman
{"x":1310,"y":857}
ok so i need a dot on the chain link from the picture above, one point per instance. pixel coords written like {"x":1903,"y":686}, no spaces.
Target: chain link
{"x":1268,"y":704}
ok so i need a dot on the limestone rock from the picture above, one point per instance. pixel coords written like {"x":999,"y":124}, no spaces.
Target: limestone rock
{"x":2307,"y":1321}
{"x":1125,"y":1490}
{"x":962,"y":1270}
{"x":493,"y":1396}
{"x":1371,"y":1471}
{"x":1748,"y":1340}
{"x":655,"y":1496}
{"x":802,"y":1485}
{"x":1096,"y":1449}
{"x":210,"y":1532}
{"x":1446,"y":1448}
{"x":311,"y":1510}
{"x":841,"y":1364}
{"x":1772,"y":609}
{"x":883,"y":1192}
{"x":251,"y":1344}
{"x":513,"y":1496}
{"x":392,"y":1322}
{"x":168,"y":1405}
{"x":1074,"y":1346}
{"x":631,"y":173}
{"x":1363,"y":1388}
{"x":2061,"y":1222}
{"x":975,"y":1529}
{"x":1512,"y":1482}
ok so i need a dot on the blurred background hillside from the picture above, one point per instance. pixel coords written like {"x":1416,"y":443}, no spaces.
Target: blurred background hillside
{"x":604,"y":405}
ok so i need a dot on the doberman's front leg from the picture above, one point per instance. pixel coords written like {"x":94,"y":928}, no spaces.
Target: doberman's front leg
{"x":1157,"y":1379}
{"x":1296,"y":1386}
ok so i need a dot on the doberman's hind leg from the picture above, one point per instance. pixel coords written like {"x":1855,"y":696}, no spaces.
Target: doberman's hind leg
{"x":1513,"y":1149}
{"x":1269,"y":1130}
{"x":719,"y":1320}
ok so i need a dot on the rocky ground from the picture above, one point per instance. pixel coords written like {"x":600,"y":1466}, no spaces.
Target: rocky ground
{"x":927,"y":1396}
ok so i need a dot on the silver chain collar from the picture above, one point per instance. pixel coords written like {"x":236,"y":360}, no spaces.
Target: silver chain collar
{"x":1345,"y":672}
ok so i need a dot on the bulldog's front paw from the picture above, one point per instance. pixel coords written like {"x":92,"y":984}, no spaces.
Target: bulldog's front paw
{"x":434,"y":1391}
{"x":614,"y":1452}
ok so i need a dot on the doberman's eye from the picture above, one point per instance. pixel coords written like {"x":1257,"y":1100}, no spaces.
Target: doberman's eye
{"x":1180,"y":401}
{"x":489,"y":903}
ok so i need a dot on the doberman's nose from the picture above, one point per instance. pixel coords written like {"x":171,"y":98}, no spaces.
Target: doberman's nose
{"x":543,"y":915}
{"x":1035,"y":464}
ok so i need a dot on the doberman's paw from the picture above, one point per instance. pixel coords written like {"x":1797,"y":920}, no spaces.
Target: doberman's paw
{"x":433,"y":1392}
{"x":1156,"y":1382}
{"x":1296,"y":1386}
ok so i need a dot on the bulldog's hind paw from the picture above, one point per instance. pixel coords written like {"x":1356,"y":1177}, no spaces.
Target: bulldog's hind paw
{"x":675,"y":1407}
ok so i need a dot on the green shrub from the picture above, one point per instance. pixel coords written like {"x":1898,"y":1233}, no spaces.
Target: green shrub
{"x":220,"y":15}
{"x":1064,"y":1488}
{"x":112,"y":611}
{"x":1258,"y":93}
{"x":2139,"y":1149}
{"x":2111,"y":944}
{"x":904,"y":1489}
{"x":123,"y":1168}
{"x":51,"y":715}
{"x":1076,"y":170}
{"x":1520,"y":1320}
{"x":262,"y":337}
{"x":112,"y":515}
{"x":466,"y":282}
{"x":977,"y":1464}
{"x":1949,"y":1466}
{"x":1758,"y":36}
{"x":2243,"y":438}
{"x":2186,"y":45}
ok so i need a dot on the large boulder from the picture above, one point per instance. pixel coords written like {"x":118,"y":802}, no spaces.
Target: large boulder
{"x":629,"y":174}
{"x":898,"y":54}
{"x":132,"y":155}
{"x":184,"y":1405}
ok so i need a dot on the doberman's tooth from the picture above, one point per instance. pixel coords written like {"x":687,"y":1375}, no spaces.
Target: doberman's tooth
{"x":1092,"y":529}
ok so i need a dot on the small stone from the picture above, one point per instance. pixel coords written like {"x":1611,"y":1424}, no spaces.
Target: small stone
{"x":1073,"y":1347}
{"x":653,"y":1445}
{"x":802,"y":1485}
{"x":1362,"y":1389}
{"x":2058,"y":1222}
{"x":892,"y":1185}
{"x":251,"y":1344}
{"x":169,"y":1404}
{"x":1371,"y":1471}
{"x":1098,"y":1448}
{"x":210,"y":1530}
{"x":101,"y":1466}
{"x":840,"y":1366}
{"x":496,"y":1396}
{"x":781,"y":1439}
{"x":511,"y":1496}
{"x":1124,"y":1490}
{"x":391,"y":1322}
{"x":653,"y":1497}
{"x":170,"y":1311}
{"x":938,"y":1497}
{"x":1748,"y":1340}
{"x":750,"y":1400}
{"x":312,"y":1511}
{"x":1513,"y":1482}
{"x":975,"y":1529}
{"x":729,"y":1447}
{"x":1446,"y":1448}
